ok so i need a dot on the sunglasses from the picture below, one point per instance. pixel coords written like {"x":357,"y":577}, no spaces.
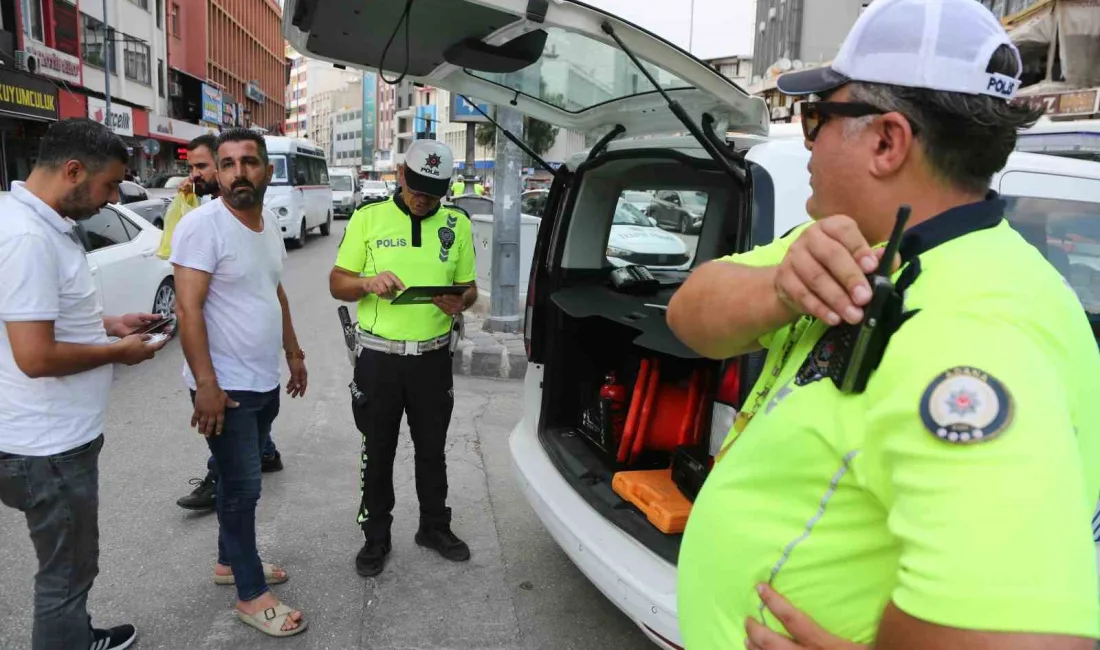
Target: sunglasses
{"x":815,"y":114}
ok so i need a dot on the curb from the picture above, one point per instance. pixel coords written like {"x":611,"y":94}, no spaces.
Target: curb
{"x":488,"y":357}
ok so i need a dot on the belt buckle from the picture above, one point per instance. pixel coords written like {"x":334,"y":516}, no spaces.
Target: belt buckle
{"x":411,"y":349}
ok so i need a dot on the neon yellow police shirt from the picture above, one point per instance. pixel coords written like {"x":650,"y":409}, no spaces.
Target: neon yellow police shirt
{"x":380,"y":237}
{"x":960,"y":485}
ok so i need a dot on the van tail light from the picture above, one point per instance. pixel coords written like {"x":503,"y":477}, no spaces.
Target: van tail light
{"x":727,"y":402}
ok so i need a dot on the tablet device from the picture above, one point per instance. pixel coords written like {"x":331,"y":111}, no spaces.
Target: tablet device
{"x":424,"y":295}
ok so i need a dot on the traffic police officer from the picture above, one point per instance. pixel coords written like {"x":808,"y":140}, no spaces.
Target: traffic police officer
{"x":459,"y":187}
{"x":948,"y":504}
{"x":403,"y":365}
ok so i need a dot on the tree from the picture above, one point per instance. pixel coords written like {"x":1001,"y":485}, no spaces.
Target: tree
{"x":537,"y":134}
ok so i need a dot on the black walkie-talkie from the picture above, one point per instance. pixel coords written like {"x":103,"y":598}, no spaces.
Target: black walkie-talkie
{"x":861,"y":346}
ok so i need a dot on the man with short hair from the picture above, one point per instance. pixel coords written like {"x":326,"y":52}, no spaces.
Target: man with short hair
{"x":203,"y":183}
{"x":233,"y":319}
{"x":403,"y":366}
{"x":56,"y":362}
{"x":946,"y":504}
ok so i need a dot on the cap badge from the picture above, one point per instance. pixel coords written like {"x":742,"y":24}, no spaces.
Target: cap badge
{"x":431,"y":164}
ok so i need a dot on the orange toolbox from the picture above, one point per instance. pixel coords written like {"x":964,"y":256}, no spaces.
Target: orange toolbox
{"x":655,"y":493}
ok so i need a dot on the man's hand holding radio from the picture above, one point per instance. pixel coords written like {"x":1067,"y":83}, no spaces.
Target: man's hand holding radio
{"x":825,"y":271}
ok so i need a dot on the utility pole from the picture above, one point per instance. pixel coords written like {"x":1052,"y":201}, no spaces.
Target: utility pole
{"x":108,"y":45}
{"x":471,"y":154}
{"x":505,"y":310}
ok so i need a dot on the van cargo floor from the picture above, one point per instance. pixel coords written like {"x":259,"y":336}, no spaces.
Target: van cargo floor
{"x":591,"y":478}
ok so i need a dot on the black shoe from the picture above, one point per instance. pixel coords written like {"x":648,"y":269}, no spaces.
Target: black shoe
{"x":115,"y":638}
{"x":372,"y":557}
{"x":202,"y":497}
{"x":273,"y":463}
{"x":441,"y":540}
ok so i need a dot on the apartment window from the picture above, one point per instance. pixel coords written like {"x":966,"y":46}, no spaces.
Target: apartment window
{"x":175,"y":20}
{"x":95,"y":44}
{"x":137,"y":62}
{"x":160,"y":77}
{"x":144,"y":4}
{"x":160,"y":14}
{"x":32,"y":19}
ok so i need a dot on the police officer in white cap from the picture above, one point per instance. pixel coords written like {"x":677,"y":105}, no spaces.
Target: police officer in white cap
{"x":403,"y":360}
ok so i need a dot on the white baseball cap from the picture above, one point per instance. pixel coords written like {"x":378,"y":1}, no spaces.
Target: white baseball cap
{"x":943,"y":45}
{"x":428,"y":167}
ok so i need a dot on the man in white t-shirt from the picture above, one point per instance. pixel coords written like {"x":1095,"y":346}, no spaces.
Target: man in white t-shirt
{"x":56,"y":362}
{"x":233,"y":319}
{"x":203,"y":182}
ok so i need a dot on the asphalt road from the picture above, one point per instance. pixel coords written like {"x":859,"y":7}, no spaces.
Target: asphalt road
{"x":518,"y":591}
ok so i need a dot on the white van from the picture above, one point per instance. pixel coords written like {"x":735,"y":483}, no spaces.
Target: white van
{"x":581,"y":320}
{"x":346,"y":194}
{"x":1069,"y":138}
{"x":299,"y":193}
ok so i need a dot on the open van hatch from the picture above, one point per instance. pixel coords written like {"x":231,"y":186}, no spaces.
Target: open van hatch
{"x":550,"y":60}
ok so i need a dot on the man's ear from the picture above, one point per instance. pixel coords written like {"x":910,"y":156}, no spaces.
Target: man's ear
{"x":269,"y":174}
{"x":73,"y":171}
{"x":894,"y":143}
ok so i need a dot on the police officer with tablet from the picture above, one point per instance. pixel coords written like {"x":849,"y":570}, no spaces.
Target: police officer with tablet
{"x":409,"y":263}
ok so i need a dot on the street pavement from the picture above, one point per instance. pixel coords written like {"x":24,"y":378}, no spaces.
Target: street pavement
{"x":156,"y":564}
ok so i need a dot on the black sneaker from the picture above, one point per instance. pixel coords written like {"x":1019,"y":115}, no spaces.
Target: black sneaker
{"x":441,"y":540}
{"x":372,"y":557}
{"x":272,"y":463}
{"x":203,"y":496}
{"x":115,"y":638}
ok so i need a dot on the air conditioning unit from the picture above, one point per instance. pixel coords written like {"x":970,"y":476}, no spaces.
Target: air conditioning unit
{"x":25,"y":61}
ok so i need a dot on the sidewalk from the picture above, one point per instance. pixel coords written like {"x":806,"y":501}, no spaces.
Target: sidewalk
{"x":489,"y":354}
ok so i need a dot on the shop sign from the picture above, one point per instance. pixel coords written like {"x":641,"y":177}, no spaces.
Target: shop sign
{"x":1078,"y":102}
{"x":122,"y":117}
{"x":176,"y":130}
{"x":49,"y":62}
{"x":253,"y":92}
{"x":211,"y":104}
{"x":229,"y":113}
{"x":27,"y":96}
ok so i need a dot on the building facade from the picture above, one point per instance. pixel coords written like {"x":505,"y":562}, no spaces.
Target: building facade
{"x":347,"y":138}
{"x":324,"y":108}
{"x":247,"y":61}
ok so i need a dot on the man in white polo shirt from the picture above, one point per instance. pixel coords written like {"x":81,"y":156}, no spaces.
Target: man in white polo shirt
{"x":55,"y":373}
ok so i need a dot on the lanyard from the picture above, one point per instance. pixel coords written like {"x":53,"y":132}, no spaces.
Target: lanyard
{"x":794,"y":335}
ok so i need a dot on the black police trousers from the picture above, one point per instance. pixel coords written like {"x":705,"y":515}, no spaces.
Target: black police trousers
{"x":386,"y":387}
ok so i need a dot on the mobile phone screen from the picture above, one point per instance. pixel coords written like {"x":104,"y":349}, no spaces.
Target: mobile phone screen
{"x":159,"y":326}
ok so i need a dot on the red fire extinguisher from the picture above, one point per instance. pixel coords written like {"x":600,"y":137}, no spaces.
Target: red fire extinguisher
{"x":613,"y":407}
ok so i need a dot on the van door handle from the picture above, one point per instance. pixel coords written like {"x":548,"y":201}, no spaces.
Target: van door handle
{"x":149,"y":252}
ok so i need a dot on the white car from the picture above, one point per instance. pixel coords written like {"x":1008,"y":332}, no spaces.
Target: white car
{"x":122,"y":251}
{"x":375,"y":189}
{"x":580,"y":322}
{"x":636,"y":239}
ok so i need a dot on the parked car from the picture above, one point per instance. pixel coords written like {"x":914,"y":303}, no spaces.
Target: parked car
{"x":579,"y":324}
{"x":122,"y":249}
{"x":165,"y":187}
{"x":152,"y":210}
{"x":640,"y":200}
{"x":131,"y":192}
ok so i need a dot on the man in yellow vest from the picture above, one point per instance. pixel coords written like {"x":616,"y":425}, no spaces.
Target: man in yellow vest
{"x":947,"y":505}
{"x":403,"y":363}
{"x":459,"y":187}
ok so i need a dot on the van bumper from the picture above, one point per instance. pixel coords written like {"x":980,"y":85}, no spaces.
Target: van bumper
{"x":637,"y":581}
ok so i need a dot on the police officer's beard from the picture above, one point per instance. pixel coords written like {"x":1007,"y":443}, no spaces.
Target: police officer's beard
{"x":77,"y":204}
{"x":237,"y":197}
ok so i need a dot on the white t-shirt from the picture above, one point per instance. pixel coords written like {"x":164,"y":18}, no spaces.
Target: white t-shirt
{"x":244,"y":321}
{"x":44,"y":276}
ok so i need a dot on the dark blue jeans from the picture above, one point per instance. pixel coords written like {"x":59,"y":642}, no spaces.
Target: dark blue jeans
{"x":268,"y":450}
{"x":59,"y":496}
{"x":237,"y":453}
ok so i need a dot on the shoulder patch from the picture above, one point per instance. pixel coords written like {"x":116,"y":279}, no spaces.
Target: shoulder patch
{"x":966,"y":405}
{"x":458,"y":210}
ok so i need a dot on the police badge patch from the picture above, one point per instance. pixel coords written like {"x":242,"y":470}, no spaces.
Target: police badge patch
{"x":965,"y":405}
{"x":816,"y":365}
{"x":446,"y":238}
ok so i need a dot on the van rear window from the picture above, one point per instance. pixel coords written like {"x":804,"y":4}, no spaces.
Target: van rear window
{"x":1068,"y":234}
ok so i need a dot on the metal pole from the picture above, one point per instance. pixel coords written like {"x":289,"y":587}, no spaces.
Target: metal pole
{"x":505,"y":312}
{"x":471,"y":154}
{"x":107,"y":46}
